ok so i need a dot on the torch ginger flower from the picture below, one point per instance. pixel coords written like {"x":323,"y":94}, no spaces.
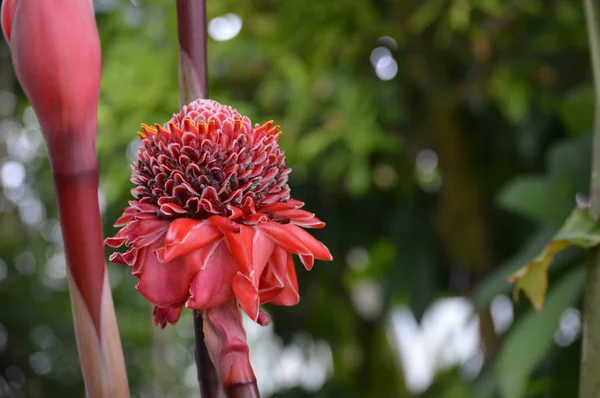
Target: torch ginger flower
{"x":212,"y":218}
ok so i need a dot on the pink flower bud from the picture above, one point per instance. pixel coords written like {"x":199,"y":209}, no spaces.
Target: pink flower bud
{"x":55,"y":51}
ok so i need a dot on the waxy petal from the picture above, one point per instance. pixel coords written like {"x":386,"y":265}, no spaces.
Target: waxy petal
{"x":290,"y":294}
{"x":162,"y":316}
{"x":186,"y":235}
{"x":211,"y":286}
{"x":316,"y":248}
{"x":282,"y":236}
{"x":272,"y":281}
{"x":139,"y":233}
{"x":224,"y":224}
{"x":279,"y":206}
{"x":251,"y":250}
{"x":165,"y":284}
{"x":247,"y":295}
{"x":127,"y":258}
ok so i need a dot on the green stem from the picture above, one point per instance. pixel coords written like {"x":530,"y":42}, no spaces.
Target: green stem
{"x":590,"y":355}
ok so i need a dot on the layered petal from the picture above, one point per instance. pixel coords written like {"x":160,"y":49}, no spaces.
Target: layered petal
{"x":139,"y":233}
{"x":290,"y":294}
{"x":165,"y":284}
{"x":211,"y":286}
{"x":272,"y":281}
{"x":162,"y":316}
{"x":186,"y":235}
{"x":246,"y":293}
{"x":297,"y":241}
{"x":251,"y":249}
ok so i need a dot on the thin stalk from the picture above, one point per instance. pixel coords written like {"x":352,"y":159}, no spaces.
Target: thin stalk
{"x":590,"y":357}
{"x":193,"y":84}
{"x":207,"y":374}
{"x":193,"y":69}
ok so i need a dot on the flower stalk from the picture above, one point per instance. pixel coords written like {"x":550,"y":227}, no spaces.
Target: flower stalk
{"x":193,"y":84}
{"x":55,"y":51}
{"x":589,"y":386}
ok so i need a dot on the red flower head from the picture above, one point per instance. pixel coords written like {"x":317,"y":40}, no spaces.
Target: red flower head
{"x":212,"y":217}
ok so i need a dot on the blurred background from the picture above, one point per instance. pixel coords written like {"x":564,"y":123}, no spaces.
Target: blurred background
{"x":442,"y":141}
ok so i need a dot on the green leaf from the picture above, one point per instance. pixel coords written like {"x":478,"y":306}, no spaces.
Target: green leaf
{"x":569,"y":164}
{"x":577,"y":110}
{"x":530,"y":339}
{"x":497,"y":282}
{"x":459,"y":14}
{"x":537,"y":198}
{"x":358,"y":178}
{"x":312,"y":144}
{"x":426,"y":14}
{"x":580,"y":229}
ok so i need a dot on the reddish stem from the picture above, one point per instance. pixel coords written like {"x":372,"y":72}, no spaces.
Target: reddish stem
{"x":193,"y":69}
{"x":193,"y":84}
{"x":75,"y":172}
{"x":77,"y":197}
{"x":246,"y":390}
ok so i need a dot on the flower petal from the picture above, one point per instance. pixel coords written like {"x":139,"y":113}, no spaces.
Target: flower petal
{"x":251,"y":250}
{"x":278,"y":206}
{"x":289,"y":296}
{"x":162,"y":316}
{"x":165,"y":284}
{"x":127,"y":258}
{"x":282,"y":236}
{"x":211,"y":286}
{"x":293,"y":214}
{"x":247,"y":295}
{"x":272,"y":281}
{"x":263,"y":319}
{"x":316,"y":248}
{"x":224,"y":224}
{"x":186,"y":235}
{"x":139,"y":233}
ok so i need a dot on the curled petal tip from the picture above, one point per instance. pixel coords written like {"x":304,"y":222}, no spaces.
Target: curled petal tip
{"x":114,"y":242}
{"x":162,"y":316}
{"x":160,"y":254}
{"x":263,"y":319}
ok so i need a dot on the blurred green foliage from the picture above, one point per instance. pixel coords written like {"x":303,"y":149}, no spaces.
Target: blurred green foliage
{"x":441,"y":162}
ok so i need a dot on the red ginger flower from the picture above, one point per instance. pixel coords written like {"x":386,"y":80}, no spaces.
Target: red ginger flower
{"x":213,"y":218}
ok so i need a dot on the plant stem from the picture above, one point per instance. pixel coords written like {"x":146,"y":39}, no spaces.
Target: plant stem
{"x":96,"y":331}
{"x":193,"y":69}
{"x":207,"y":374}
{"x":193,"y":84}
{"x":590,"y":357}
{"x":246,"y":390}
